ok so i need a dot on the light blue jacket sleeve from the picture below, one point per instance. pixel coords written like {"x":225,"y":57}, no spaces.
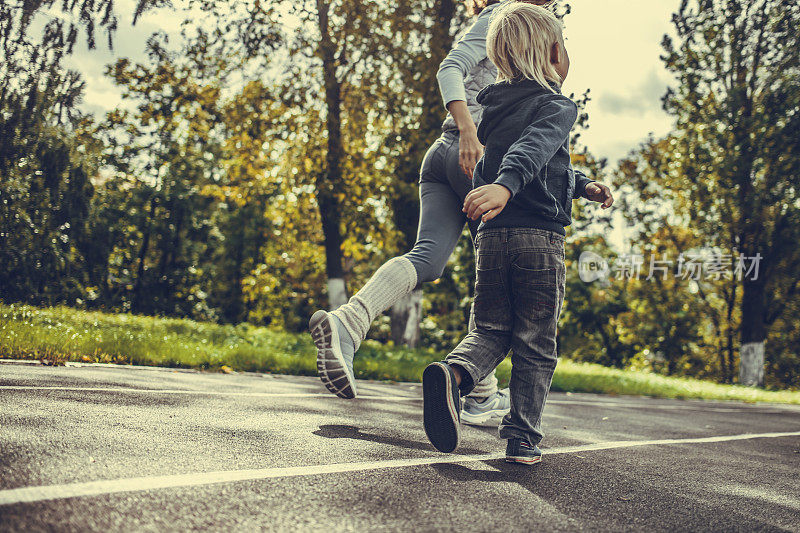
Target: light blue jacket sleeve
{"x":467,"y":52}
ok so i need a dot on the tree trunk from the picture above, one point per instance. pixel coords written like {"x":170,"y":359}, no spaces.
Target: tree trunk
{"x":405,"y":316}
{"x":337,"y":293}
{"x":405,"y":200}
{"x":731,"y":303}
{"x":753,"y":334}
{"x":136,"y":298}
{"x":235,"y":311}
{"x":331,"y":181}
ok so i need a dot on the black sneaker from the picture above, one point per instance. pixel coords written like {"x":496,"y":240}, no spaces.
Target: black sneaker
{"x":519,"y":451}
{"x":441,"y":406}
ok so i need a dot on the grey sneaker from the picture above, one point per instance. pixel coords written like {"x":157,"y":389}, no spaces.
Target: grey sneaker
{"x":477,"y":412}
{"x":334,"y":356}
{"x":520,"y":451}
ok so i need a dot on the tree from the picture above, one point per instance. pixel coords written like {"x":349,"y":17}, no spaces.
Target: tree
{"x":335,"y":51}
{"x":198,"y":179}
{"x":424,"y":33}
{"x":47,"y":155}
{"x":654,"y":200}
{"x":737,"y":65}
{"x":165,"y":158}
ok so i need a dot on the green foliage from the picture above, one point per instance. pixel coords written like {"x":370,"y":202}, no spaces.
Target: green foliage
{"x":45,"y":159}
{"x":591,"y":328}
{"x":719,"y":184}
{"x":44,"y":211}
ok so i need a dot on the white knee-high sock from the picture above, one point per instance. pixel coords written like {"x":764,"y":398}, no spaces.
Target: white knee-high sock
{"x":396,"y":278}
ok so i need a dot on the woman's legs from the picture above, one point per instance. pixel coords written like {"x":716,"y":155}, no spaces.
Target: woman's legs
{"x":338,"y":334}
{"x":440,"y":225}
{"x":443,"y":188}
{"x":441,"y":222}
{"x":393,"y":280}
{"x":487,"y":387}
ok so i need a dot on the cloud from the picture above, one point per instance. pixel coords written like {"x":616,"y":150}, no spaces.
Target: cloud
{"x":615,"y":47}
{"x":642,"y":99}
{"x":101,"y":93}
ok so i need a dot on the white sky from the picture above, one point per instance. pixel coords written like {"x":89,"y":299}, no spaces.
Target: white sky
{"x":614,"y":46}
{"x":129,"y":41}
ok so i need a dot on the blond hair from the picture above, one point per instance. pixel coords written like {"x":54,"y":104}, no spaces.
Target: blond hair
{"x":520,"y":40}
{"x":474,"y":7}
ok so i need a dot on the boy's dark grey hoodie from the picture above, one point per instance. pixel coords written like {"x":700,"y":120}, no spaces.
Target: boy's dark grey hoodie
{"x":525,"y":130}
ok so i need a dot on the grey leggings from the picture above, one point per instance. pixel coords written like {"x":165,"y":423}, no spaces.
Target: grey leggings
{"x":442,"y":189}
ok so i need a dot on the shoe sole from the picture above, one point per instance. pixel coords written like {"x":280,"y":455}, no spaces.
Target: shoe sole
{"x":440,"y":415}
{"x":477,"y":420}
{"x":331,"y":367}
{"x":524,"y":460}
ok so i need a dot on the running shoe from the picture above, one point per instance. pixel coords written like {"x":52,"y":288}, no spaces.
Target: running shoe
{"x":334,"y":366}
{"x":477,"y":412}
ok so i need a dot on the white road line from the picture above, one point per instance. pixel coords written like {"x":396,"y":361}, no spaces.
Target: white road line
{"x":202,"y":393}
{"x":662,"y":406}
{"x":113,"y":486}
{"x":589,"y":403}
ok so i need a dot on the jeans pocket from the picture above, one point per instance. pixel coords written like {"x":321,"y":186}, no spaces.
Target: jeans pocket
{"x":536,"y":292}
{"x":492,"y":308}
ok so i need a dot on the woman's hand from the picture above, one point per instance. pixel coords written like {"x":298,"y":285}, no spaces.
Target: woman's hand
{"x":488,"y":200}
{"x":470,"y":151}
{"x":470,"y":148}
{"x":597,"y":192}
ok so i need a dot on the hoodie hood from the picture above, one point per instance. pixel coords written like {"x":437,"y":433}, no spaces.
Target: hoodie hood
{"x":500,"y":100}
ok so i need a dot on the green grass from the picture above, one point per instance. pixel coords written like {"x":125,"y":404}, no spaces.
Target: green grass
{"x":61,"y":334}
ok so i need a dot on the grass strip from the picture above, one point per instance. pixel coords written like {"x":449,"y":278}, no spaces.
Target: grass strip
{"x":59,"y":334}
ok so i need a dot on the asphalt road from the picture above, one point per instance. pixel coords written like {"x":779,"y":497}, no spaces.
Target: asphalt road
{"x":122,"y":449}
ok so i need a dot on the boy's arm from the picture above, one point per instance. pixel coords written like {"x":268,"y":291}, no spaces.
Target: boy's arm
{"x":581,"y":181}
{"x":538,"y":143}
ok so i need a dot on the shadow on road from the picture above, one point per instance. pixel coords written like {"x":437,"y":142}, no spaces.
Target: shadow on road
{"x":506,"y":472}
{"x":643,"y":500}
{"x":352,"y":432}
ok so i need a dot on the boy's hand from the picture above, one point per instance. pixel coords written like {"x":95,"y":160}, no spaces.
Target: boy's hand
{"x":597,"y":192}
{"x":488,"y":201}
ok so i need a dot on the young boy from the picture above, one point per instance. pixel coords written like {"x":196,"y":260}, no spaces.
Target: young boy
{"x":524,"y":186}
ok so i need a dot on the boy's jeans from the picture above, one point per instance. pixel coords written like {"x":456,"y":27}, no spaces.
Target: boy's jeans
{"x":518,"y":296}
